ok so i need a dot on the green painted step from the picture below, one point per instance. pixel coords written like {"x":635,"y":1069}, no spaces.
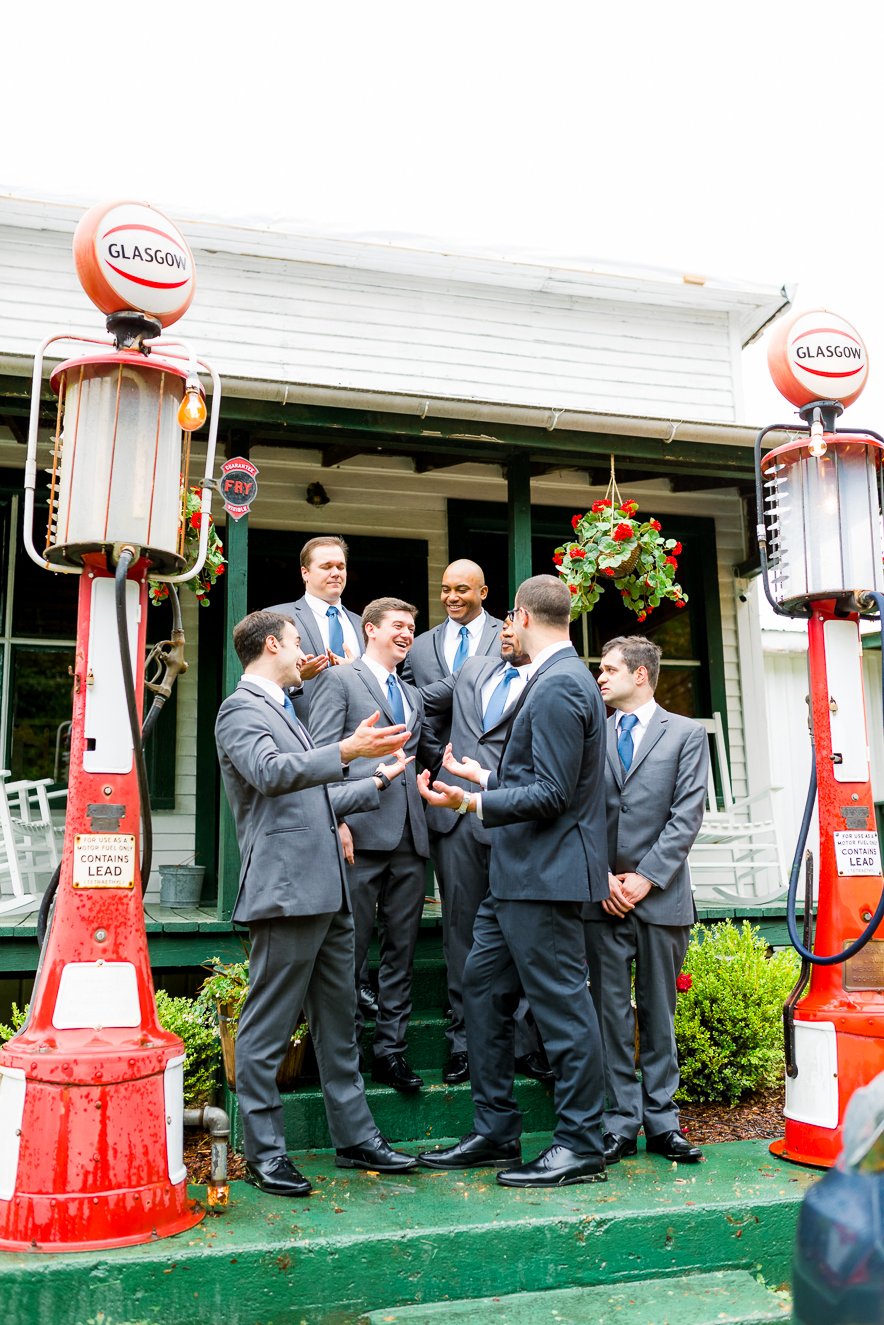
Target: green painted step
{"x":727,"y":1297}
{"x":361,"y":1242}
{"x":427,"y":1045}
{"x":437,"y":1111}
{"x":430,"y":990}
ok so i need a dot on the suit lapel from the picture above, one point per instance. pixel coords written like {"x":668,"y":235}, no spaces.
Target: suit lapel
{"x":308,"y":628}
{"x":294,"y":726}
{"x":489,"y":637}
{"x":613,"y":754}
{"x":439,"y":646}
{"x":656,"y":728}
{"x":368,"y":679}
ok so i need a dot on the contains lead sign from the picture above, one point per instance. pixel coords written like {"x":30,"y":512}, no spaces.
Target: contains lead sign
{"x":104,"y":860}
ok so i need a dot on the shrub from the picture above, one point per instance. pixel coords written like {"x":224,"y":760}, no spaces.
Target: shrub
{"x":19,"y":1016}
{"x":728,"y":1023}
{"x":201,"y":1044}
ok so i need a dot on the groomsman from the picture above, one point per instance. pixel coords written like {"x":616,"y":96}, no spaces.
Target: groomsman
{"x":655,"y":791}
{"x":480,"y":700}
{"x":467,"y":632}
{"x":391,"y":845}
{"x":329,"y":632}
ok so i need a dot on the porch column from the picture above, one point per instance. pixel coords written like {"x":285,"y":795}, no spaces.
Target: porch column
{"x":518,"y":503}
{"x":236,"y":581}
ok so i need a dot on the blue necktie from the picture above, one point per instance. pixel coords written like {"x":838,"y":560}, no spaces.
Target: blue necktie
{"x":394,"y":699}
{"x":463,"y":650}
{"x":624,"y":739}
{"x":497,"y":703}
{"x":289,"y":708}
{"x":335,"y":632}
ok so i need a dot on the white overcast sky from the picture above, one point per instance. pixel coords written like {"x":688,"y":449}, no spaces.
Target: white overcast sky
{"x":742,"y":141}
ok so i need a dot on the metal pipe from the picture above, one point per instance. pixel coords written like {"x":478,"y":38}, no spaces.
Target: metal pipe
{"x":215,"y":1122}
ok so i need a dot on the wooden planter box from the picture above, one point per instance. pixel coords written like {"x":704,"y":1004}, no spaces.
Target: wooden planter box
{"x":289,"y":1068}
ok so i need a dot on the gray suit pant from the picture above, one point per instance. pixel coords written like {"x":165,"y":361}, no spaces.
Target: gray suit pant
{"x":389,"y":885}
{"x":461,"y":862}
{"x":658,"y":952}
{"x":300,"y":962}
{"x":540,"y":946}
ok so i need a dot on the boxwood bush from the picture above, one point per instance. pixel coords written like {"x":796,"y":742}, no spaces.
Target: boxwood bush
{"x":729,"y":1013}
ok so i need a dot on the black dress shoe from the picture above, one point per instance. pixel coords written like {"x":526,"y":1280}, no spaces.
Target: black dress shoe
{"x":393,"y":1070}
{"x":674,"y":1146}
{"x":367,"y":1001}
{"x":556,"y":1167}
{"x":618,"y":1147}
{"x":456,"y":1069}
{"x":472,"y":1152}
{"x":277,"y":1177}
{"x":536,"y":1066}
{"x":376,"y":1154}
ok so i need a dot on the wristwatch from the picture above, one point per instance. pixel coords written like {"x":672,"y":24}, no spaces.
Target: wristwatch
{"x":465,"y":803}
{"x":384,"y":780}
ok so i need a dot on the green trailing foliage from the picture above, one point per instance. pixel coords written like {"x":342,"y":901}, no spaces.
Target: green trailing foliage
{"x":728,"y":1014}
{"x":202,"y":1045}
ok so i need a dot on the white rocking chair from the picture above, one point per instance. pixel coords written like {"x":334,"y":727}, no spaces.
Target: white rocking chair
{"x":737,"y":855}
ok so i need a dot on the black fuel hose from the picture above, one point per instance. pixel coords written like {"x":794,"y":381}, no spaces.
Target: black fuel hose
{"x":858,"y":943}
{"x":138,"y":737}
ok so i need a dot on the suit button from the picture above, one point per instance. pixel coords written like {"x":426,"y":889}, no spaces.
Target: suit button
{"x":624,"y":809}
{"x":332,"y":828}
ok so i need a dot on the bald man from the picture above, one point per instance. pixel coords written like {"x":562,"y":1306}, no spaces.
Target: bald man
{"x":466,"y":632}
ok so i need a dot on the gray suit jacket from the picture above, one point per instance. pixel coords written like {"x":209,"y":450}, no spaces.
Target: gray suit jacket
{"x":654,"y":813}
{"x":311,"y":642}
{"x":459,"y":698}
{"x":546,"y":806}
{"x":426,"y":660}
{"x":342,"y":697}
{"x":284,"y":812}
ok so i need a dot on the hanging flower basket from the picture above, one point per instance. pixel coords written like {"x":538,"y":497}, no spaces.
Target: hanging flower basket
{"x":158,"y":590}
{"x":611,"y":543}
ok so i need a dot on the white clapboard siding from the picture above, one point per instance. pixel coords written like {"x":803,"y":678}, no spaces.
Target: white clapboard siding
{"x":362,"y":316}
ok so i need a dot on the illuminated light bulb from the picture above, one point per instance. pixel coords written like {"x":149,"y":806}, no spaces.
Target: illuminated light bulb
{"x":817,"y":445}
{"x":192,"y":410}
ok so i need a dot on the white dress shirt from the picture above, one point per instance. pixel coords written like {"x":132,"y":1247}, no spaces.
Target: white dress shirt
{"x":451,"y":637}
{"x":516,"y":686}
{"x":270,"y":687}
{"x":319,"y":608}
{"x":380,"y":674}
{"x":644,"y":715}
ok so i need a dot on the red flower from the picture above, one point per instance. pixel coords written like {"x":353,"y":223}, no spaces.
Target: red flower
{"x":575,"y":520}
{"x":642,"y":616}
{"x":622,"y":532}
{"x":683,"y":982}
{"x":195,"y":520}
{"x":679,"y":602}
{"x":576,"y":552}
{"x":676,"y":551}
{"x":607,"y":570}
{"x":670,"y":561}
{"x":220,"y":570}
{"x":598,"y":506}
{"x":557,"y":558}
{"x":629,"y":507}
{"x":655,"y":524}
{"x":572,"y":588}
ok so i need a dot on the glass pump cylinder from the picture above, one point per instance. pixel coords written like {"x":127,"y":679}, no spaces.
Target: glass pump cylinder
{"x":823,"y":517}
{"x":117,"y":468}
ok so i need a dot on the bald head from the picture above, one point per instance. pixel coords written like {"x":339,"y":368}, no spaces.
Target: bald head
{"x":463,"y":591}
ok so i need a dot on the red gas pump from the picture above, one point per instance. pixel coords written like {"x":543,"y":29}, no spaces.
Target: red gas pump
{"x":91,"y":1089}
{"x":820,"y":535}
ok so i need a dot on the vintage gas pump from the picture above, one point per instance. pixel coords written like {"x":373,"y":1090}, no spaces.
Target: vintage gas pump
{"x":91,"y":1099}
{"x":820,"y":535}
